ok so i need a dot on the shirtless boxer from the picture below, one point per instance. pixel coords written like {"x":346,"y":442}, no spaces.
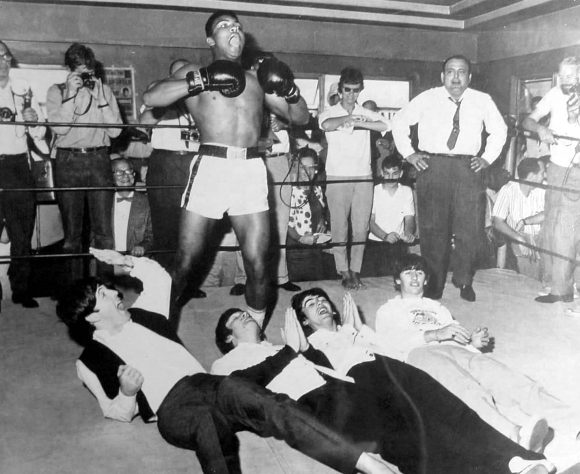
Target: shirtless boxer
{"x":227,"y":104}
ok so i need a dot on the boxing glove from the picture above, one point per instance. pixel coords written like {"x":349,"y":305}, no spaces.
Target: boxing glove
{"x":227,"y":77}
{"x":275,"y":77}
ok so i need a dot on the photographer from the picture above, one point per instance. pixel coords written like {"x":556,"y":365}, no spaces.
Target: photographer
{"x":562,"y":210}
{"x":17,"y":209}
{"x":82,"y":153}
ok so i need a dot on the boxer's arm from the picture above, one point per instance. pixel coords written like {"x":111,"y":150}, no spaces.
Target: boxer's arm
{"x":167,"y":91}
{"x":294,"y":113}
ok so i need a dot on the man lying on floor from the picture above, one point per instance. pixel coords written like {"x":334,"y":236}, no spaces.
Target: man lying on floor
{"x":134,"y":363}
{"x":423,"y":333}
{"x":411,"y":420}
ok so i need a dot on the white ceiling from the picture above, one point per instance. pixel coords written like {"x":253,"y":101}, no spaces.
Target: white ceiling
{"x":458,"y":15}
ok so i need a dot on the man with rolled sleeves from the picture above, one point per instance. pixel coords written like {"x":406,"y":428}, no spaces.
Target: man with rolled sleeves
{"x":82,"y":153}
{"x":17,"y":209}
{"x":450,"y":191}
{"x":562,"y":210}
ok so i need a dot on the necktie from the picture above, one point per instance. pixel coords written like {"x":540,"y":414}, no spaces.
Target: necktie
{"x":127,"y":199}
{"x":452,"y":140}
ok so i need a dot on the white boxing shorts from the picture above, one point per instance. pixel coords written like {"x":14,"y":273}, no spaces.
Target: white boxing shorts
{"x":217,"y":186}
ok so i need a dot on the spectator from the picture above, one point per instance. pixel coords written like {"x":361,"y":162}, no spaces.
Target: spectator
{"x":347,"y":127}
{"x":308,"y":221}
{"x":17,"y":209}
{"x":450,"y":191}
{"x":82,"y":155}
{"x":173,"y":150}
{"x":131,"y":214}
{"x":518,"y":213}
{"x":423,"y":333}
{"x":562,"y":210}
{"x":393,"y":215}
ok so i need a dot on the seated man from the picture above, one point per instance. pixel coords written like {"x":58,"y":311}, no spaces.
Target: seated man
{"x":422,"y":332}
{"x":411,"y":402}
{"x":518,"y":212}
{"x":131,"y":213}
{"x":393,"y":215}
{"x":133,"y":362}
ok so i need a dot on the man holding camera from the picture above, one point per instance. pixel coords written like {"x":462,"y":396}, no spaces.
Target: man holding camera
{"x":562,"y":210}
{"x":82,"y":153}
{"x":228,"y":175}
{"x":17,"y":209}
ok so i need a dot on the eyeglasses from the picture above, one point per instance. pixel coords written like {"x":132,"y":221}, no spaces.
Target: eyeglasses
{"x":120,"y":173}
{"x":6,"y":57}
{"x":356,"y":90}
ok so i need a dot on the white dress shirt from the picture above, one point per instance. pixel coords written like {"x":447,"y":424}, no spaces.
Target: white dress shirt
{"x":554,"y":103}
{"x":121,"y":213}
{"x":298,"y":378}
{"x":161,"y":361}
{"x":346,"y":347}
{"x":13,"y":138}
{"x":433,"y":111}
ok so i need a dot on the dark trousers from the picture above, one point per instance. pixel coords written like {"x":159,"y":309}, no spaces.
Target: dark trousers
{"x":166,"y":168}
{"x":450,"y":436}
{"x":74,"y":169}
{"x":203,"y":412}
{"x":450,"y":201}
{"x":17,"y":212}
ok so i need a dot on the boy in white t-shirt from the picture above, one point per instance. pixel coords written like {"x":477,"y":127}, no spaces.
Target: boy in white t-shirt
{"x":393,"y":215}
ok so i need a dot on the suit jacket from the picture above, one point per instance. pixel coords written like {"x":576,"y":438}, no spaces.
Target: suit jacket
{"x":139,"y":229}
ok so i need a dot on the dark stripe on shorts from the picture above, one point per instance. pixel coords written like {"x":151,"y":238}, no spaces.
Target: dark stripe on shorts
{"x":192,"y":175}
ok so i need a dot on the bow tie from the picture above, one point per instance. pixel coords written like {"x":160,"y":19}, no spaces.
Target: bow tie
{"x":124,"y":199}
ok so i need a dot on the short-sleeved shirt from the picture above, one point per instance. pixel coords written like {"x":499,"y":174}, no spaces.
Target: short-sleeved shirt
{"x":390,"y":210}
{"x":554,"y":104}
{"x":349,"y":149}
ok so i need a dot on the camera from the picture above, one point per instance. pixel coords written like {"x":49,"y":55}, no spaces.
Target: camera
{"x":88,"y":80}
{"x":190,"y":135}
{"x":6,"y":115}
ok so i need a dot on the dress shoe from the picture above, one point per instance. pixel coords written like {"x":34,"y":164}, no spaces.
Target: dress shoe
{"x":289,"y":286}
{"x":197,"y":293}
{"x":25,"y":300}
{"x":533,"y":433}
{"x":465,"y":291}
{"x":238,"y":289}
{"x":517,"y":465}
{"x":551,"y":298}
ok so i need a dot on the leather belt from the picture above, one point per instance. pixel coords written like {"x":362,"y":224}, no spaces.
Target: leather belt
{"x":230,"y":153}
{"x":447,"y":155}
{"x":84,"y":150}
{"x":19,"y":155}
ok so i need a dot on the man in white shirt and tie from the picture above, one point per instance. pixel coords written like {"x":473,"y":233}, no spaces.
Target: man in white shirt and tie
{"x":450,"y":190}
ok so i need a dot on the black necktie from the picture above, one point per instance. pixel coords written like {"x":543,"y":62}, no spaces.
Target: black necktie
{"x":452,"y":140}
{"x":121,"y":198}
